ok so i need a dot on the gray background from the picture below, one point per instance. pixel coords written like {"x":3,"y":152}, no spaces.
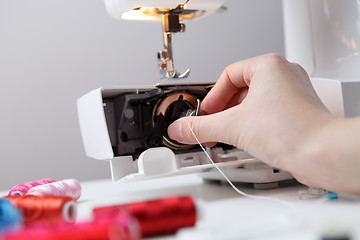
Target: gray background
{"x":52,"y":52}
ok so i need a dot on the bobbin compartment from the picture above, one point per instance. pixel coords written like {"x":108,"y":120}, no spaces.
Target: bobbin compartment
{"x":127,"y":121}
{"x":128,"y":127}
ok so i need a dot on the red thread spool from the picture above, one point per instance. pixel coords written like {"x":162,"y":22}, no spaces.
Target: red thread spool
{"x":45,"y":208}
{"x":157,"y":217}
{"x":122,"y":226}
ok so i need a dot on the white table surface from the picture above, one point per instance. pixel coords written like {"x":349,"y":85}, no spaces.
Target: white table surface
{"x":227,"y":215}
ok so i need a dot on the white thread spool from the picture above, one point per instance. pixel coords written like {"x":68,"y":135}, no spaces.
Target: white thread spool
{"x":69,"y":188}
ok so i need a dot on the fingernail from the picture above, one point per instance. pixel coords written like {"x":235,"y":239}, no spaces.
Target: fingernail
{"x":175,"y":132}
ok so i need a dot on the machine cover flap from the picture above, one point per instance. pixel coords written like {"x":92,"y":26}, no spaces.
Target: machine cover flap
{"x":93,"y":126}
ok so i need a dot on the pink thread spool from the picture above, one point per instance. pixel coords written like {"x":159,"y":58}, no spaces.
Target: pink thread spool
{"x":69,"y":187}
{"x":22,"y":189}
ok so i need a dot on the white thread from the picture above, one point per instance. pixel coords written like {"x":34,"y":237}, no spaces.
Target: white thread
{"x":232,"y":185}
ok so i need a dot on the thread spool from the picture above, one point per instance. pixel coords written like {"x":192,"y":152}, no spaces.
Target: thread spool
{"x":69,"y":187}
{"x":157,"y":217}
{"x":121,"y":226}
{"x":22,"y":189}
{"x":10,"y":217}
{"x":45,"y":208}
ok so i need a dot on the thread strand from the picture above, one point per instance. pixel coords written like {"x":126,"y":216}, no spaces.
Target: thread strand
{"x":232,"y":185}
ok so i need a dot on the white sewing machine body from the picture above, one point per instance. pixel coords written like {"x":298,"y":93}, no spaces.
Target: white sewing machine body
{"x":147,"y":9}
{"x":104,"y":140}
{"x":323,"y":36}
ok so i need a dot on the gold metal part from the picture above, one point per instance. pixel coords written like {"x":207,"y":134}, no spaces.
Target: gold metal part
{"x":164,"y":104}
{"x":156,"y":13}
{"x":170,"y":24}
{"x":171,"y":19}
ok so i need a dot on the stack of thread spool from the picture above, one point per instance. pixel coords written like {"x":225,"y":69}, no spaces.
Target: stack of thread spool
{"x":47,"y":212}
{"x":46,"y":200}
{"x":156,"y":217}
{"x":43,"y":201}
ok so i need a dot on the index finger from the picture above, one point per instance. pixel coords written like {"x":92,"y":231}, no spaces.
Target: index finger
{"x":233,"y":78}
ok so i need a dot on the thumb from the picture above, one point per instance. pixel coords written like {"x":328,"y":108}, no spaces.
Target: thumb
{"x":209,"y":128}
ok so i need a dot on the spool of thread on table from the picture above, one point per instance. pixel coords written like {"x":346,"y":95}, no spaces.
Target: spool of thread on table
{"x":10,"y":217}
{"x":121,"y":226}
{"x":45,"y":208}
{"x":69,"y":187}
{"x":157,"y":217}
{"x":22,"y":189}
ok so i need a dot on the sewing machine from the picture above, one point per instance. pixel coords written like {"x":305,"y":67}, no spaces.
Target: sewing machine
{"x":127,"y":125}
{"x":324,"y":37}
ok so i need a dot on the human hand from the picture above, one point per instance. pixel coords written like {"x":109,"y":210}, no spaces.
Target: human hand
{"x":263,"y":105}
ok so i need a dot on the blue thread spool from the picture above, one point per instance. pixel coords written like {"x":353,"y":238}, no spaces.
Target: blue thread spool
{"x":10,"y":217}
{"x":332,"y":195}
